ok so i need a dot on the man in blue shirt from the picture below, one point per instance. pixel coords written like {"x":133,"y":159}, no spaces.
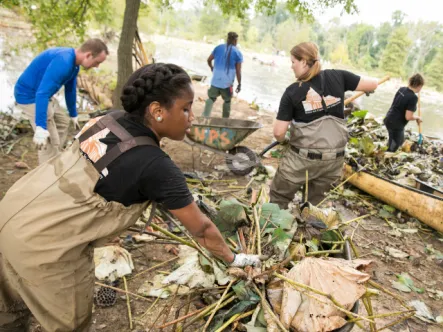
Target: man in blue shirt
{"x":227,"y":64}
{"x":41,"y":80}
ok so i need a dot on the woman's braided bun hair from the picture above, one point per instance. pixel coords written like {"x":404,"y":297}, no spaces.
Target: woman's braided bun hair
{"x":160,"y":82}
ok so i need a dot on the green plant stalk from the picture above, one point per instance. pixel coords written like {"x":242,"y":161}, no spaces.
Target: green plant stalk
{"x":353,"y":247}
{"x":266,"y":307}
{"x":122,"y":291}
{"x":197,"y":245}
{"x":229,"y":299}
{"x":332,"y":242}
{"x":356,"y":219}
{"x":333,"y":248}
{"x":396,"y":322}
{"x":151,"y":306}
{"x":128,"y":304}
{"x":181,"y":318}
{"x":155,"y":266}
{"x":173,"y":236}
{"x":370,"y":313}
{"x":257,"y":230}
{"x":233,"y":319}
{"x":399,"y":298}
{"x":387,"y":314}
{"x":321,"y":252}
{"x":218,"y":304}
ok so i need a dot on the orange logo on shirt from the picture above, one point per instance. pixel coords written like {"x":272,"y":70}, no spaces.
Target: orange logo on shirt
{"x":313,"y":104}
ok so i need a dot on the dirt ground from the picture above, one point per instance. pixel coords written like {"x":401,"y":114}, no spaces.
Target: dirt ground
{"x":371,"y":235}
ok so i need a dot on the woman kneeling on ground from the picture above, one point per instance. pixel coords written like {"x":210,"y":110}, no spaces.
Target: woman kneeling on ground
{"x":52,"y":218}
{"x":314,"y":107}
{"x":402,"y":111}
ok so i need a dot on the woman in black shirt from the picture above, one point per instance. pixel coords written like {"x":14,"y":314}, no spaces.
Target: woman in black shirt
{"x":314,"y":107}
{"x":402,"y":111}
{"x":54,"y":216}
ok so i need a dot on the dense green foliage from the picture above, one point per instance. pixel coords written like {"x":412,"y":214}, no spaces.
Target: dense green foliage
{"x":397,"y":47}
{"x":61,"y":22}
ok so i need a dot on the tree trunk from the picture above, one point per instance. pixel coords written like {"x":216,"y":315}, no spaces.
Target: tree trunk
{"x":124,"y":52}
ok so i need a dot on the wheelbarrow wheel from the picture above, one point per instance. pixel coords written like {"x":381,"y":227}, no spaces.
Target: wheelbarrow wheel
{"x":249,"y":160}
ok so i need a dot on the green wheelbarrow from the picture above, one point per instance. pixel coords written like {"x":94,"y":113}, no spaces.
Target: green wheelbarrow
{"x":221,"y":136}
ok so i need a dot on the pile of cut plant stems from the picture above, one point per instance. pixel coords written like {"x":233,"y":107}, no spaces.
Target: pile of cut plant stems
{"x":367,"y":149}
{"x":264,"y":230}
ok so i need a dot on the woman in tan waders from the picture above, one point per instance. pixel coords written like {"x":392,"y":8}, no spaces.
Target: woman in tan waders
{"x":313,"y":106}
{"x":52,"y":218}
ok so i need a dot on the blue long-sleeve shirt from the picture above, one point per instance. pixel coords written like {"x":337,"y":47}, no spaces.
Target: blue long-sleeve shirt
{"x":44,"y":77}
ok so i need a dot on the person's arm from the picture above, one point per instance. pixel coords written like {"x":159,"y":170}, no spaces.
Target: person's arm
{"x":354,"y":82}
{"x":210,"y":58}
{"x":204,"y":230}
{"x":71,"y":96}
{"x":56,"y":73}
{"x":280,"y":129}
{"x":411,"y":107}
{"x":166,"y":184}
{"x":411,"y":116}
{"x":284,"y":116}
{"x":367,"y":84}
{"x":238,"y":72}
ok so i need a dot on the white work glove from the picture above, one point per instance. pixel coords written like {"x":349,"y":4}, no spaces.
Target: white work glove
{"x":40,"y":137}
{"x":241,"y":260}
{"x":75,"y":122}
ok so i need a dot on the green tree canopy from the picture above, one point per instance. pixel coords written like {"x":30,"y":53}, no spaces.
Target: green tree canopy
{"x":434,"y":71}
{"x":394,"y":56}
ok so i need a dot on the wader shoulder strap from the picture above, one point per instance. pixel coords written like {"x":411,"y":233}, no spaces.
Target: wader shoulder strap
{"x":108,"y":121}
{"x":127,"y":140}
{"x":321,"y":91}
{"x":121,"y":148}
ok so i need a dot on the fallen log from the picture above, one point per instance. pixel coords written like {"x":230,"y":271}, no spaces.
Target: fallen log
{"x":426,"y":207}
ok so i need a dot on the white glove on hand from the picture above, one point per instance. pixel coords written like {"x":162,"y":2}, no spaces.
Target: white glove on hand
{"x":241,"y":260}
{"x":40,"y":137}
{"x":75,"y":122}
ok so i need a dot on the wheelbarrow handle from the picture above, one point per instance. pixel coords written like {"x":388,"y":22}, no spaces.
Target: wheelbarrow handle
{"x":269,"y":147}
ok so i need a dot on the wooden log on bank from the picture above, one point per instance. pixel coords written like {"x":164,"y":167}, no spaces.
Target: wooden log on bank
{"x":426,"y":207}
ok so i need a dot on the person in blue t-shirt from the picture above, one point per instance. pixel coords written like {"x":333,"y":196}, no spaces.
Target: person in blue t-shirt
{"x":41,"y":80}
{"x":227,"y":64}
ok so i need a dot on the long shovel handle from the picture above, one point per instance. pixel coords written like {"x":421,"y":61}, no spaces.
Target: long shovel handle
{"x":361,"y":93}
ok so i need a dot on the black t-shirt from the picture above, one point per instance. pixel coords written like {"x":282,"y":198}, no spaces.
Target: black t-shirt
{"x":405,"y":100}
{"x":303,"y":103}
{"x":143,"y":173}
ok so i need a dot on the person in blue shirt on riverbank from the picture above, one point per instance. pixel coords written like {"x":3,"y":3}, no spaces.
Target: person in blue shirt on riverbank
{"x":227,"y":64}
{"x":35,"y":89}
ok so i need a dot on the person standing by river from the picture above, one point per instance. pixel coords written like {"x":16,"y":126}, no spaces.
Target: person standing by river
{"x":402,"y":111}
{"x":227,"y":64}
{"x":314,"y":107}
{"x":35,"y":89}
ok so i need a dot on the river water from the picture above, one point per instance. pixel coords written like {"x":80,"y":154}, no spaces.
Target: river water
{"x":266,"y":84}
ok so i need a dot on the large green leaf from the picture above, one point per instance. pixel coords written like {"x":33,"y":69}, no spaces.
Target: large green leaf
{"x":231,"y":216}
{"x":238,"y":308}
{"x":406,"y":280}
{"x":367,"y":145}
{"x":245,"y":293}
{"x":360,"y":114}
{"x":282,"y":218}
